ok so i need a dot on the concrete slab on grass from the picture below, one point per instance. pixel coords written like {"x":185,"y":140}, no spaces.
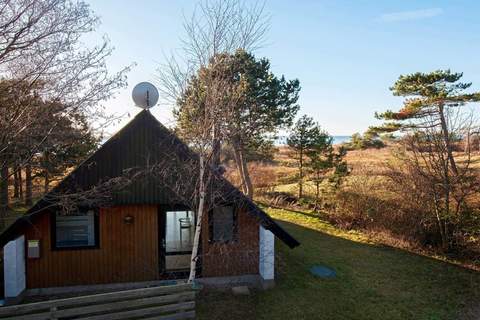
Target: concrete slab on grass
{"x":241,"y":290}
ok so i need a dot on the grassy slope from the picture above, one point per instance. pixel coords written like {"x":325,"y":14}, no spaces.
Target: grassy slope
{"x":373,"y":282}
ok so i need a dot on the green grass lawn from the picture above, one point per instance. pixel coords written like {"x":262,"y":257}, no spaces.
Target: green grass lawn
{"x":373,"y":281}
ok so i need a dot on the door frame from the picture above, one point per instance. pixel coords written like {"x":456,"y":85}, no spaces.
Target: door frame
{"x":162,"y":227}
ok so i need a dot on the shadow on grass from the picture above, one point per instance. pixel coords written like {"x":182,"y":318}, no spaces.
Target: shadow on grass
{"x":372,"y":283}
{"x":317,"y":214}
{"x":320,"y":217}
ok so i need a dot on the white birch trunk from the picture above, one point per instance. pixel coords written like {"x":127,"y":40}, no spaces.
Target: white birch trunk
{"x":198,"y":228}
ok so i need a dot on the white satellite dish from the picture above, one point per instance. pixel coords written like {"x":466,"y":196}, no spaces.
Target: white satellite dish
{"x":145,"y":95}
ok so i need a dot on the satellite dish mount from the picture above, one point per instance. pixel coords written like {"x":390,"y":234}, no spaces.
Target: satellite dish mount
{"x":145,"y":95}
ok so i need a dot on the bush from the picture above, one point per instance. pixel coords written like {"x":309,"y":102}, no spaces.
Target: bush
{"x":366,"y":202}
{"x":361,"y":211}
{"x":398,"y":208}
{"x":361,"y":142}
{"x":281,"y":199}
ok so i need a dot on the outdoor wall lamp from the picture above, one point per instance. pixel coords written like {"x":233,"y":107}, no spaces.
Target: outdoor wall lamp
{"x":128,"y":219}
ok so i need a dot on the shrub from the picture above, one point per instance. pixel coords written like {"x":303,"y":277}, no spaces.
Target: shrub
{"x":366,"y":202}
{"x":365,"y":141}
{"x":281,"y":199}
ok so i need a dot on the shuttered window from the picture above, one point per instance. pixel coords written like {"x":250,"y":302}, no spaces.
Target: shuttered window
{"x":76,"y":230}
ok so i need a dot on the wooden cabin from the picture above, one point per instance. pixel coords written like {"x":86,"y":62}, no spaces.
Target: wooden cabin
{"x":125,"y":223}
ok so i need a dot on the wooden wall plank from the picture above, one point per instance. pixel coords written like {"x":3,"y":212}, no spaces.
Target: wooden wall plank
{"x":127,"y":252}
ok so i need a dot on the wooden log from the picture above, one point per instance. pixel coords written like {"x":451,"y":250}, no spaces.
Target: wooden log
{"x":123,"y":305}
{"x":92,"y":299}
{"x":46,"y":315}
{"x":177,"y":316}
{"x":152,"y":311}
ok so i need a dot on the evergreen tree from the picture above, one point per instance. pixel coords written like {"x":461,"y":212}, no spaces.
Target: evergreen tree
{"x":251,"y":105}
{"x":67,"y":144}
{"x":325,"y":162}
{"x":301,"y":139}
{"x":429,"y":99}
{"x":370,"y":139}
{"x":434,"y":122}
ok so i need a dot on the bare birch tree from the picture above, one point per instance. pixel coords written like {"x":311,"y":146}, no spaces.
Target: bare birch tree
{"x":207,"y":104}
{"x":215,"y":28}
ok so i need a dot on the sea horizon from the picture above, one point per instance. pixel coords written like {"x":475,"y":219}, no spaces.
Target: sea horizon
{"x":337,"y":139}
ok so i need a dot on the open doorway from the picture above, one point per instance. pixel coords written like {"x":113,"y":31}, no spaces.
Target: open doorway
{"x":177,"y":242}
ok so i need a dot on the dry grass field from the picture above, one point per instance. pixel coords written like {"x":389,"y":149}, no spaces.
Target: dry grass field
{"x":369,"y":162}
{"x":373,"y":207}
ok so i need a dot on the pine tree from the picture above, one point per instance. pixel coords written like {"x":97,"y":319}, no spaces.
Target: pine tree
{"x":429,"y":99}
{"x":434,"y":121}
{"x":254,"y":104}
{"x":301,"y":139}
{"x":325,"y":162}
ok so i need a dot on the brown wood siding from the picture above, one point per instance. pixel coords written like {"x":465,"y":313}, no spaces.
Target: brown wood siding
{"x":236,"y":258}
{"x":127,"y":252}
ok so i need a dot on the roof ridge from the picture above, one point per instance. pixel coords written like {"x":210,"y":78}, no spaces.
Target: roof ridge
{"x":141,"y":134}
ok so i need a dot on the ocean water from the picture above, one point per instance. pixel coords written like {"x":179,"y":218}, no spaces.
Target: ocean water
{"x":340,"y":139}
{"x":282,"y":140}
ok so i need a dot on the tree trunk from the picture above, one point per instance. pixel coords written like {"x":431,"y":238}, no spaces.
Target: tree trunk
{"x":440,"y":222}
{"x":216,"y":148}
{"x":446,"y":219}
{"x":3,"y":194}
{"x":46,"y":166}
{"x":47,"y":182}
{"x":467,"y":143}
{"x":16,"y":183}
{"x":238,"y":163}
{"x":300,"y":172}
{"x":20,"y":182}
{"x":246,"y":176}
{"x":444,"y":236}
{"x":198,"y":227}
{"x":28,"y":185}
{"x":446,"y":138}
{"x":447,"y":189}
{"x":241,"y":162}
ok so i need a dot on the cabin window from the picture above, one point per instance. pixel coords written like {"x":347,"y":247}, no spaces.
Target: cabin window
{"x":76,"y":230}
{"x":223,"y":224}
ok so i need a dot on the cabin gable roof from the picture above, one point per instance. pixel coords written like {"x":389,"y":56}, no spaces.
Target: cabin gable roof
{"x":143,"y":142}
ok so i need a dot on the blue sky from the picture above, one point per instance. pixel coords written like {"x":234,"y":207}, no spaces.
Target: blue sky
{"x":346,"y":54}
